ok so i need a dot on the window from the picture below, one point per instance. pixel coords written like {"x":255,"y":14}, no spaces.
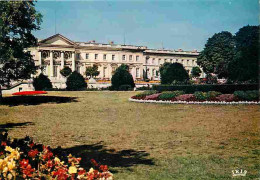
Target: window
{"x":78,"y":69}
{"x":146,"y":61}
{"x":78,"y":55}
{"x":113,"y":57}
{"x":104,"y":57}
{"x":104,"y":71}
{"x":153,"y":60}
{"x":137,"y":73}
{"x":87,"y":55}
{"x":96,"y":56}
{"x":159,"y":61}
{"x":130,"y":57}
{"x":165,"y":60}
{"x":171,"y":60}
{"x":123,"y":57}
{"x":137,"y":58}
{"x":55,"y":71}
{"x":188,"y":62}
{"x":176,"y":60}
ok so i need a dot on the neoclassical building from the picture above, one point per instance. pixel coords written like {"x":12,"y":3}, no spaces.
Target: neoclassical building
{"x":56,"y":52}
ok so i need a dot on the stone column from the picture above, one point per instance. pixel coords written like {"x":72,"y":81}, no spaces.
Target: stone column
{"x":62,"y":60}
{"x":73,"y":62}
{"x":51,"y":64}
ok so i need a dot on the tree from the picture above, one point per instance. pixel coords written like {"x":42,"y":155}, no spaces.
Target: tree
{"x":76,"y":82}
{"x":244,"y":66}
{"x":173,"y":72}
{"x":17,"y":21}
{"x":122,"y":77}
{"x":195,"y":72}
{"x":41,"y":82}
{"x":65,"y":72}
{"x":218,"y":52}
{"x":92,"y":71}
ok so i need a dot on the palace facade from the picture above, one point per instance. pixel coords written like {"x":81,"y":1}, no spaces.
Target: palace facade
{"x":56,"y":52}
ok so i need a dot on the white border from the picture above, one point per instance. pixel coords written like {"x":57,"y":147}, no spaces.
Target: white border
{"x":192,"y":102}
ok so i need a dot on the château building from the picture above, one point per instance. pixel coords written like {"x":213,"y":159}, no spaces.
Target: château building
{"x":56,"y":52}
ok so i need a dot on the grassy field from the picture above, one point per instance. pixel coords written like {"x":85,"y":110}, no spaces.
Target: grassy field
{"x":142,"y":141}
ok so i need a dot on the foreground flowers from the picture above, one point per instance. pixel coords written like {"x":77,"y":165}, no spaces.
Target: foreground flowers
{"x":23,"y":159}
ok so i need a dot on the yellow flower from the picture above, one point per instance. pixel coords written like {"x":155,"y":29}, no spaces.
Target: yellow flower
{"x":56,"y":160}
{"x":72,"y":170}
{"x":15,"y":154}
{"x":91,"y":170}
{"x":9,"y":149}
{"x":11,"y":165}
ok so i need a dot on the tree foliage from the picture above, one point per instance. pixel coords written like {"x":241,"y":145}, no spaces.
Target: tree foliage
{"x":218,"y":52}
{"x":76,"y":82}
{"x":244,"y":66}
{"x":122,"y":77}
{"x":65,"y":72}
{"x":173,"y":72}
{"x":41,"y":82}
{"x":195,"y":71}
{"x":17,"y":21}
{"x":92,"y":71}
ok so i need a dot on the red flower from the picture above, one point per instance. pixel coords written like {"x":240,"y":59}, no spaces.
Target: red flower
{"x":27,"y":172}
{"x":103,"y":168}
{"x":61,"y":174}
{"x":49,"y":163}
{"x":47,"y":155}
{"x":33,"y":153}
{"x":24,"y":163}
{"x":31,"y":144}
{"x":81,"y":172}
{"x":94,"y":162}
{"x":3,"y":143}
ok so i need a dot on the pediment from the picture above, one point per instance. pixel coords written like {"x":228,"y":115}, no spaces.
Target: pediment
{"x":57,"y":39}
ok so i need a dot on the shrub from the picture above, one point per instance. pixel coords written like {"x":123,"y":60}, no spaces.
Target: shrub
{"x":144,"y":94}
{"x":122,"y":77}
{"x":173,"y":72}
{"x":65,"y":72}
{"x":226,"y":98}
{"x":201,"y":96}
{"x":211,"y":95}
{"x":186,"y":97}
{"x":41,"y":82}
{"x":223,"y":88}
{"x":247,"y":95}
{"x":125,"y":87}
{"x":76,"y":82}
{"x":169,"y":95}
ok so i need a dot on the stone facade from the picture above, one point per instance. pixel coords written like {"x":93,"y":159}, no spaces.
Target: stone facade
{"x":56,"y":52}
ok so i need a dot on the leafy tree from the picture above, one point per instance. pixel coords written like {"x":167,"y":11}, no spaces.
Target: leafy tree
{"x":173,"y":72}
{"x":92,"y":71}
{"x":65,"y":72}
{"x":218,"y":52}
{"x":195,"y":71}
{"x":17,"y":21}
{"x":41,"y":82}
{"x":76,"y":82}
{"x":122,"y":77}
{"x":244,"y":66}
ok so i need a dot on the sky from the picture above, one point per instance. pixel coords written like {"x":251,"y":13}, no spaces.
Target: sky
{"x":185,"y":24}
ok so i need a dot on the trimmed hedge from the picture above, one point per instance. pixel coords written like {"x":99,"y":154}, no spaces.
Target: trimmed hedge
{"x":222,"y":88}
{"x":168,"y":95}
{"x":247,"y":95}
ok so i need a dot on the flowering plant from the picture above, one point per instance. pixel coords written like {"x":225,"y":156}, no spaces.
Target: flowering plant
{"x":24,"y":159}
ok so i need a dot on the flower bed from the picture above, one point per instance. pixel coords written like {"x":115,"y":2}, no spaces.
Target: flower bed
{"x":24,"y":159}
{"x":211,"y":97}
{"x":29,"y":93}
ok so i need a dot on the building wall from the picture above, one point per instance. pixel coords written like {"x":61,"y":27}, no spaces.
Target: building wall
{"x":55,"y":53}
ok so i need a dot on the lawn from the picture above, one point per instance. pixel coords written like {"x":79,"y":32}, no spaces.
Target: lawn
{"x":142,"y":141}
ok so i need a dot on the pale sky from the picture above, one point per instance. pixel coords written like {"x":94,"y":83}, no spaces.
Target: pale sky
{"x":174,"y":24}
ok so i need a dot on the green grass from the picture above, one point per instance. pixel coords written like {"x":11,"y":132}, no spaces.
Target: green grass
{"x":146,"y":141}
